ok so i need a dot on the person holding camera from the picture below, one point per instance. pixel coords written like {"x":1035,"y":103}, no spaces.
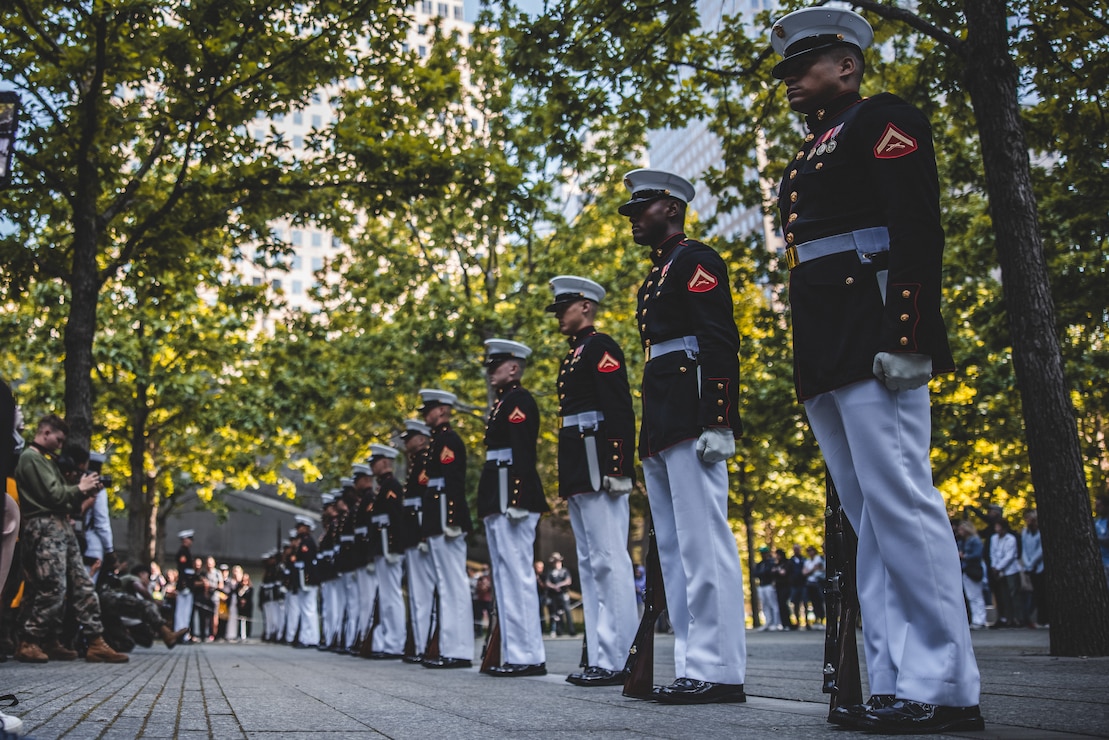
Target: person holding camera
{"x":53,"y":561}
{"x":99,"y":544}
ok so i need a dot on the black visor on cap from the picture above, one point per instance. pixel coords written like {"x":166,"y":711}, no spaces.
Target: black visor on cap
{"x":493,"y":361}
{"x":640,"y":199}
{"x":565,"y":299}
{"x":804,"y":48}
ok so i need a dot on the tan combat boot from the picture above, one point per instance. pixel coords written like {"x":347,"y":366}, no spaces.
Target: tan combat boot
{"x":100,"y":652}
{"x":169,"y":637}
{"x":57,"y":651}
{"x":29,"y":652}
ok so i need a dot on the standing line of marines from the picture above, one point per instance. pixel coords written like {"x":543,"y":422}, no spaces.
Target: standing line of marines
{"x":859,"y":205}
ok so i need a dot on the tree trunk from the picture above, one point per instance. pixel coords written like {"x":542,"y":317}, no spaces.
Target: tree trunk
{"x":1073,"y":573}
{"x":747,"y":507}
{"x":140,"y":509}
{"x":80,"y":329}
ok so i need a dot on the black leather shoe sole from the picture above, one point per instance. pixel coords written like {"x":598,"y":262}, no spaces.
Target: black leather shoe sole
{"x":944,"y":720}
{"x":921,"y":728}
{"x":713,"y":695}
{"x":512,"y":671}
{"x":580,"y":679}
{"x":448,"y":663}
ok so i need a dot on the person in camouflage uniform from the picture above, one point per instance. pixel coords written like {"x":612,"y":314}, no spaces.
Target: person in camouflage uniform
{"x":55,"y":570}
{"x":129,"y":597}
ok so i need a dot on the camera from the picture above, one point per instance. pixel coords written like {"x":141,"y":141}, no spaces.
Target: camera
{"x":96,"y":465}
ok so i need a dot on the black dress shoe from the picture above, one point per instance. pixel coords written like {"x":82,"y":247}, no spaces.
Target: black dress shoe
{"x":692,"y":691}
{"x":381,"y":655}
{"x":413,"y":659}
{"x":597,"y":676}
{"x":905,"y":717}
{"x":852,"y":714}
{"x":519,"y":669}
{"x":448,"y":663}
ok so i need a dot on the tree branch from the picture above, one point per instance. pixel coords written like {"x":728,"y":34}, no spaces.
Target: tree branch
{"x":914,"y":21}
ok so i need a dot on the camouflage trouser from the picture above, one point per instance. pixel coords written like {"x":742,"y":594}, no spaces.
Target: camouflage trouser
{"x":55,"y":573}
{"x":131,"y":606}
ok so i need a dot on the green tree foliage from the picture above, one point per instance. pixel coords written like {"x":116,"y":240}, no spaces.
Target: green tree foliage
{"x":142,"y":171}
{"x":961,"y":71}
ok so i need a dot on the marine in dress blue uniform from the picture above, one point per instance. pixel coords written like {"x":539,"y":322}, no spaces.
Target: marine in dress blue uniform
{"x":510,"y":500}
{"x":306,"y":575}
{"x":388,"y":638}
{"x":689,"y":423}
{"x":596,"y":469}
{"x":418,"y":563}
{"x":331,"y":604}
{"x":446,"y":520}
{"x":860,"y":211}
{"x":365,"y":569}
{"x":186,"y":574}
{"x":346,"y":563}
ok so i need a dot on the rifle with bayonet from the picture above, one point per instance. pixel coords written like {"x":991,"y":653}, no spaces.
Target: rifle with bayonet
{"x":640,"y":665}
{"x":491,"y":650}
{"x":431,"y":649}
{"x":841,"y":674}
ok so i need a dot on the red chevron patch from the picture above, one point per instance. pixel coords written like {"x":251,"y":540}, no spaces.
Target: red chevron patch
{"x":894,"y":143}
{"x":702,"y":281}
{"x":608,"y":364}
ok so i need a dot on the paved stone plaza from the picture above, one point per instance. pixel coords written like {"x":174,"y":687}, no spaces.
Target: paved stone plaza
{"x":257,"y":690}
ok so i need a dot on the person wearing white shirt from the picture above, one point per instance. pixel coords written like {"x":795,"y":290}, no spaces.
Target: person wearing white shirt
{"x":1005,"y":566}
{"x":1032,"y":560}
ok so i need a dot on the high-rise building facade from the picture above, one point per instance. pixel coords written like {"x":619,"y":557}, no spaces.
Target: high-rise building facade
{"x":312,"y":247}
{"x":691,"y":150}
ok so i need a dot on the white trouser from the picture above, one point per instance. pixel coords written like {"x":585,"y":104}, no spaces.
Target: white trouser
{"x":331,"y":610}
{"x":600,"y":524}
{"x":367,"y":592}
{"x":352,"y":601}
{"x":511,"y":549}
{"x":292,"y":616}
{"x":390,"y":633}
{"x":183,"y":611}
{"x":421,"y":591}
{"x":308,"y":604}
{"x":875,"y":442}
{"x":279,"y":617}
{"x":768,"y":597}
{"x":231,"y":631}
{"x":456,"y":607}
{"x":700,"y":564}
{"x":269,"y":619}
{"x":972,"y":589}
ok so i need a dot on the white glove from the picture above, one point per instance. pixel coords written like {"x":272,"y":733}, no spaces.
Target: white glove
{"x":371,"y":567}
{"x":516,"y":514}
{"x":616,"y":486}
{"x":902,"y":371}
{"x":715,"y":444}
{"x":451,"y":532}
{"x":393,"y":558}
{"x":424,"y":547}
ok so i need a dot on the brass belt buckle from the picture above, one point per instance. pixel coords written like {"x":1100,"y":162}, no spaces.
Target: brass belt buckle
{"x":792,"y":260}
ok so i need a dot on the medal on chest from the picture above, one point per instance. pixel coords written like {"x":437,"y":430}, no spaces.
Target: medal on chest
{"x":826,"y":144}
